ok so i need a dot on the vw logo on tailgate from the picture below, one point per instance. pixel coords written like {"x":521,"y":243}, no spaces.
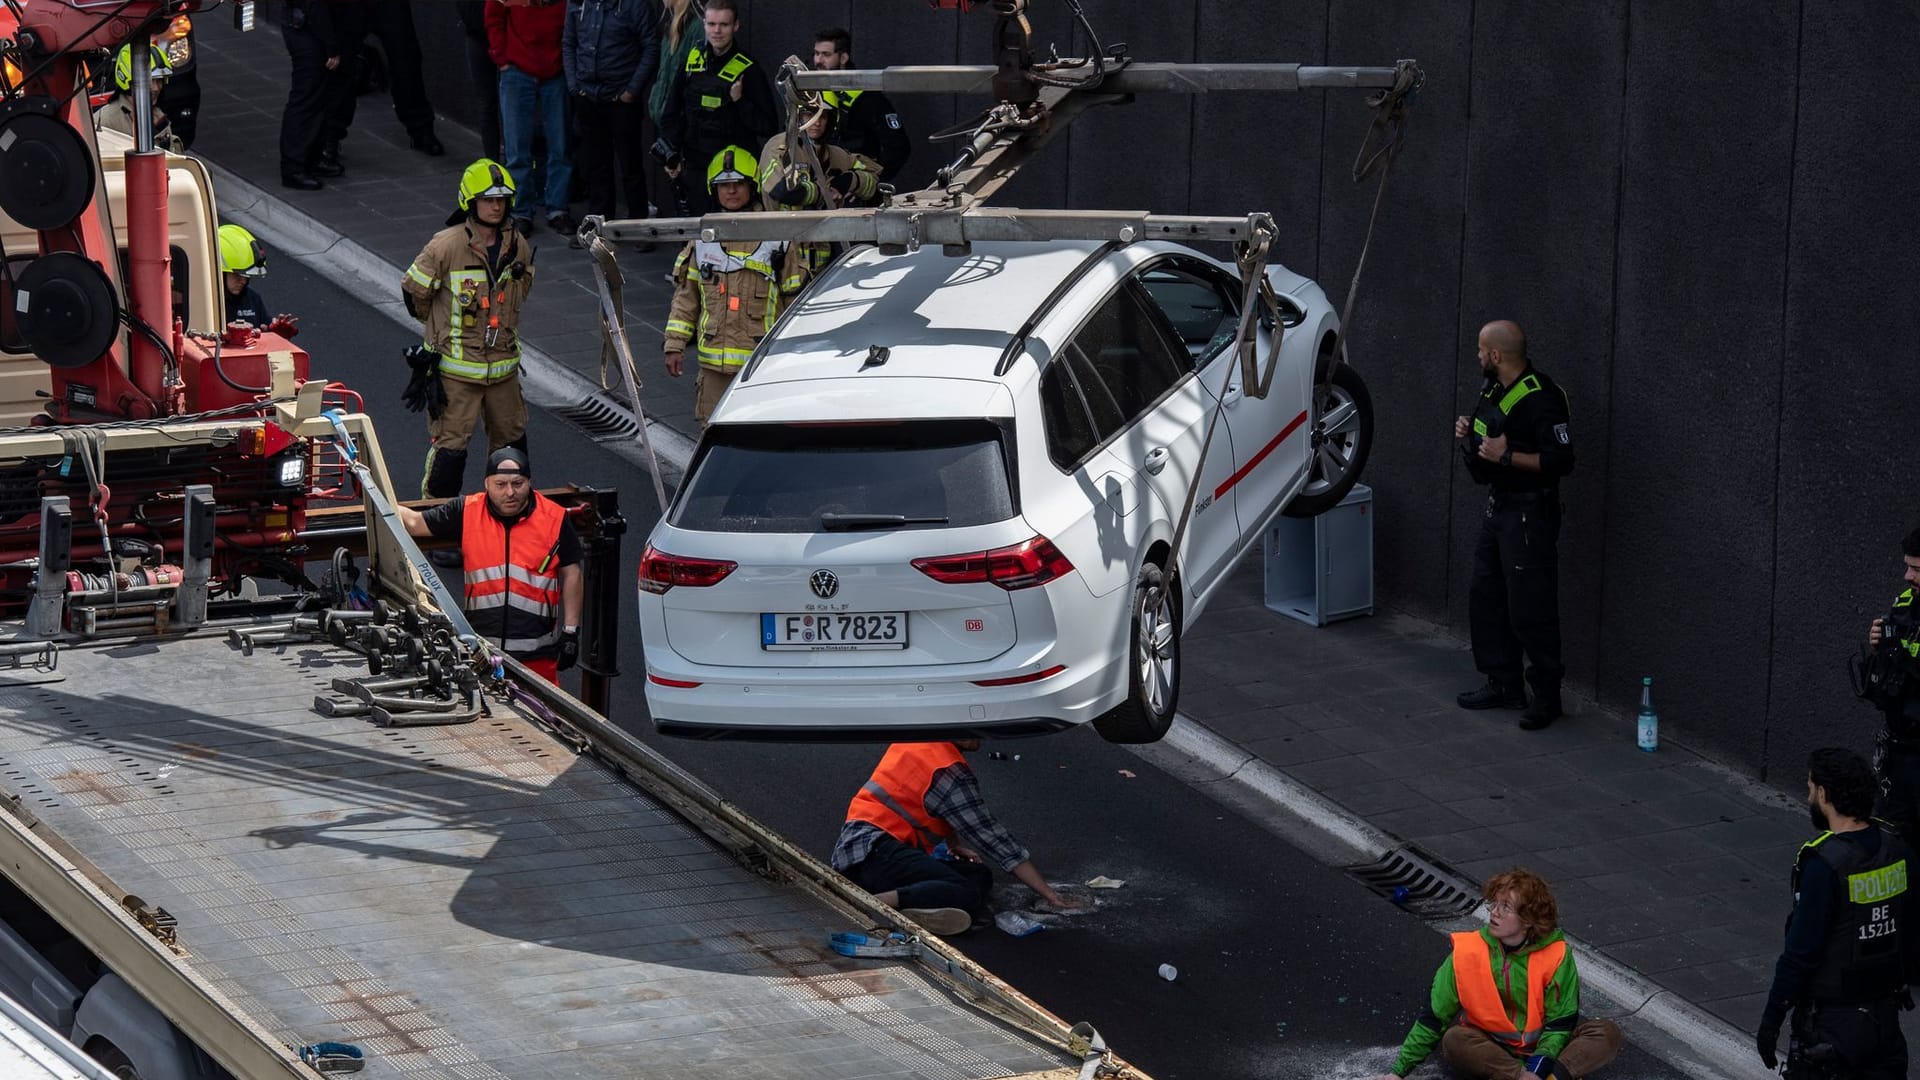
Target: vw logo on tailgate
{"x":824,"y":584}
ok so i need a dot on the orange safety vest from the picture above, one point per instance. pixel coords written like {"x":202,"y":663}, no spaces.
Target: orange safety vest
{"x":1483,"y":1004}
{"x":513,"y":576}
{"x":895,"y":797}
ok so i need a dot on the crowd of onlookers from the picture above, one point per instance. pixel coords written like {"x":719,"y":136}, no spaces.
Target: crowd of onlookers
{"x":574,"y":98}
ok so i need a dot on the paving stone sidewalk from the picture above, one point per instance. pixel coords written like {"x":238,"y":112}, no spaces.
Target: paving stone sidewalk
{"x":1664,"y":861}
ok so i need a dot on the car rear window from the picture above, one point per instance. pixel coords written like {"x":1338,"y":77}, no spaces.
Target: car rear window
{"x":782,"y":478}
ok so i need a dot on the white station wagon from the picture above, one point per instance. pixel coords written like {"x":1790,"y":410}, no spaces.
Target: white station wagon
{"x":940,"y":500}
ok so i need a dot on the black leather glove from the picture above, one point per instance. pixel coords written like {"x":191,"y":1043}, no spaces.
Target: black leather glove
{"x":569,"y":650}
{"x":1767,"y":1039}
{"x":424,"y":390}
{"x":792,"y":187}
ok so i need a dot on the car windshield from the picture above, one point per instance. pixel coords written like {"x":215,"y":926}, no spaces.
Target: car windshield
{"x":801,"y":478}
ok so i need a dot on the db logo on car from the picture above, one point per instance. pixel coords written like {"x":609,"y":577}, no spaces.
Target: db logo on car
{"x":824,"y":584}
{"x":976,"y":625}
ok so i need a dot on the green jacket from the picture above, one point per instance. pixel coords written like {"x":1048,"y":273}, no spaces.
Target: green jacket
{"x":1561,"y":1010}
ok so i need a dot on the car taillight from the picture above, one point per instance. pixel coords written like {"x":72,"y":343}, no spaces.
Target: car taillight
{"x":660,"y":571}
{"x":1015,"y":680}
{"x":678,"y":684}
{"x":1022,"y":566}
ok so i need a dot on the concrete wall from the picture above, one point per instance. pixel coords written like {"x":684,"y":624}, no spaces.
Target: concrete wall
{"x":1705,"y":216}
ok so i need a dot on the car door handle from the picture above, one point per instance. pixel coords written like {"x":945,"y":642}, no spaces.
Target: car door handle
{"x":1156,"y":459}
{"x":1232,"y":395}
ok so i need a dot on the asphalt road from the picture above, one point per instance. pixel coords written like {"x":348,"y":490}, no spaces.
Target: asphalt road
{"x":1286,"y":968}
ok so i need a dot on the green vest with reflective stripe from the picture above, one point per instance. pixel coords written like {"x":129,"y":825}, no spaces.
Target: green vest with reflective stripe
{"x":729,"y":73}
{"x":1910,"y":645}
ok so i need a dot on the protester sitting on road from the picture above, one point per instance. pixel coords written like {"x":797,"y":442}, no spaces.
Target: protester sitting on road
{"x":919,"y":837}
{"x":1518,"y":969}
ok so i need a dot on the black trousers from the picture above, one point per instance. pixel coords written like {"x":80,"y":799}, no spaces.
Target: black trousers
{"x":393,"y":24}
{"x":922,"y":880}
{"x":1513,"y":602}
{"x":303,"y":121}
{"x":486,"y":94}
{"x":1898,"y":764}
{"x":611,"y":139}
{"x":1866,"y":1038}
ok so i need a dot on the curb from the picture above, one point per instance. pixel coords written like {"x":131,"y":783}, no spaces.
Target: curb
{"x":1339,"y":837}
{"x":1211,"y":762}
{"x":547,"y":382}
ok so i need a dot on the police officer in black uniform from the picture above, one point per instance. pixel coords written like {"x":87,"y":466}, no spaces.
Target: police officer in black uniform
{"x":1518,"y":442}
{"x":720,"y":98}
{"x":1890,"y":679}
{"x":1852,"y":945}
{"x":866,"y":122}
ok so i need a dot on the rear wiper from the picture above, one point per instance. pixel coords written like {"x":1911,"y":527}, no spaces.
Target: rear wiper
{"x":833,"y":522}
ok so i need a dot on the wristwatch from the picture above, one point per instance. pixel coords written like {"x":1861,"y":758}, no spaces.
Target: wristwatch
{"x":1506,"y":456}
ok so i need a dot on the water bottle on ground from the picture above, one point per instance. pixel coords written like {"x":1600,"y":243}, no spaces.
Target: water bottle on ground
{"x":1649,"y":720}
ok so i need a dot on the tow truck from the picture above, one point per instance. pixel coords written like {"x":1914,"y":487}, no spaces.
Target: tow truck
{"x":268,"y":807}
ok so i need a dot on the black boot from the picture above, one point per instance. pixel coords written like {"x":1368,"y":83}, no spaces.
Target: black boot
{"x":1544,"y":709}
{"x":1493,"y":695}
{"x":299,"y":180}
{"x":446,"y":472}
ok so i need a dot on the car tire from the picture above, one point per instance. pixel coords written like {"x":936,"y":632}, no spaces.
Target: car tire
{"x":1346,"y":440}
{"x":1153,"y":665}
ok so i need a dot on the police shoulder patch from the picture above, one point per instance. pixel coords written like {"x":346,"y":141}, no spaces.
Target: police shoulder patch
{"x":893,"y":121}
{"x":1560,"y":432}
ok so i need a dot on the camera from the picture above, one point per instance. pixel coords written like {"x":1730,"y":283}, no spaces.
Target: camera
{"x":1889,"y":674}
{"x":665,"y":153}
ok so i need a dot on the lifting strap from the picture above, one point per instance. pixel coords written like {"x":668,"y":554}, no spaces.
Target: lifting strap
{"x":613,"y":339}
{"x":1378,"y":151}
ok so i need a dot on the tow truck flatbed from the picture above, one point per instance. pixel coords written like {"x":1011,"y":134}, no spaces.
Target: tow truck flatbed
{"x":473,"y":900}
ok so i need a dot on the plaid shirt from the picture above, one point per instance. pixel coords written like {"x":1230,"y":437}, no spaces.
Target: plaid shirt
{"x":954,"y":797}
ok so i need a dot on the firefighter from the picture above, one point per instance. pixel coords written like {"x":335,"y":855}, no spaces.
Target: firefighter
{"x":726,"y":296}
{"x":117,"y":113}
{"x":918,"y":836}
{"x":1851,"y":948}
{"x":467,"y":287}
{"x":1518,"y":443}
{"x":720,"y":98}
{"x":868,"y":125}
{"x":522,"y":559}
{"x":241,"y":260}
{"x":1516,"y":972}
{"x":1891,"y":681}
{"x":851,"y":180}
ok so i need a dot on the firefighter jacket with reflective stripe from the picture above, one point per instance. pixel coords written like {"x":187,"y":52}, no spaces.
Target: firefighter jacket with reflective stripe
{"x":727,"y":296}
{"x":471,"y":311}
{"x":803,"y":193}
{"x":513,"y":576}
{"x":895,"y":796}
{"x":1864,"y":960}
{"x":702,"y":118}
{"x":1536,"y":418}
{"x":1488,"y":1006}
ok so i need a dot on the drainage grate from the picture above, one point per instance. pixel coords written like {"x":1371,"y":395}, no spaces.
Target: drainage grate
{"x":601,"y":417}
{"x":1432,"y":889}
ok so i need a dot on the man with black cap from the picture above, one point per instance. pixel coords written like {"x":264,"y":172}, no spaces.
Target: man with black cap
{"x":523,"y":586}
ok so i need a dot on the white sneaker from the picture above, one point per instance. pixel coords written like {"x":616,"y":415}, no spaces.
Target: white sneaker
{"x":945,"y":921}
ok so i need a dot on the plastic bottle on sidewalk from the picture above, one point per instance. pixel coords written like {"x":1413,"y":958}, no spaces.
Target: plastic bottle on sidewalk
{"x":1649,"y":720}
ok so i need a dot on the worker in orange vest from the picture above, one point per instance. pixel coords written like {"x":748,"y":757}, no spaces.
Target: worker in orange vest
{"x":1506,"y":1004}
{"x":919,"y":837}
{"x":522,"y":564}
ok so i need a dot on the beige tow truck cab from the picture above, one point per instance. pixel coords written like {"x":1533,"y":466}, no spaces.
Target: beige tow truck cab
{"x":191,"y":221}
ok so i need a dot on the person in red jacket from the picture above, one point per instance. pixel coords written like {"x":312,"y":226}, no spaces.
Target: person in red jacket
{"x":523,"y":38}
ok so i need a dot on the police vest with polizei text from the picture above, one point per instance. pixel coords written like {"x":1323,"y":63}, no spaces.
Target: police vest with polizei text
{"x":1863,"y":960}
{"x":513,"y":575}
